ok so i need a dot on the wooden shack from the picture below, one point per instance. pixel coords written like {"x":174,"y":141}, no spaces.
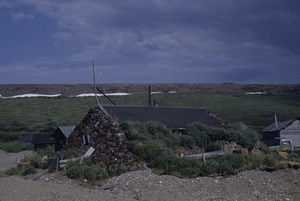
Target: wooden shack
{"x":60,"y":136}
{"x":288,"y":129}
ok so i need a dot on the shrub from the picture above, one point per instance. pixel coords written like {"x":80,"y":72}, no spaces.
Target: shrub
{"x":74,"y":172}
{"x":255,"y":161}
{"x":204,"y":135}
{"x":48,"y":151}
{"x":15,"y":146}
{"x":72,"y":164}
{"x":10,"y":136}
{"x":261,"y":160}
{"x":236,"y":161}
{"x":88,"y":173}
{"x":86,"y":161}
{"x":171,"y":163}
{"x":29,"y":170}
{"x":269,"y":161}
{"x":209,"y":167}
{"x":187,"y":141}
{"x":51,"y":168}
{"x":213,"y":147}
{"x":151,"y":152}
{"x":14,"y":171}
{"x":35,"y":161}
{"x":133,"y":130}
{"x":225,"y":168}
{"x":172,"y":140}
{"x":294,"y":156}
{"x":99,"y":172}
{"x":197,"y":132}
{"x":45,"y":165}
{"x":156,"y":129}
{"x":189,"y":167}
{"x":133,"y":146}
{"x":70,"y":153}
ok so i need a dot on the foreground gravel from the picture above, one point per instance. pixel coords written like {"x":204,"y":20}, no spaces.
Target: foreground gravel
{"x":145,"y":185}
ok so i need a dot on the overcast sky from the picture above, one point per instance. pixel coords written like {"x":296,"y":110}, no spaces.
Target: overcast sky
{"x":149,"y":41}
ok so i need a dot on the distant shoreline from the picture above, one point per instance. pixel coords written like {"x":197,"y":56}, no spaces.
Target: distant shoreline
{"x":75,"y":89}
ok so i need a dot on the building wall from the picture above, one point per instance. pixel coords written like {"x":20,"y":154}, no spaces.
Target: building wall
{"x":292,"y":132}
{"x":271,"y":139}
{"x":60,"y":140}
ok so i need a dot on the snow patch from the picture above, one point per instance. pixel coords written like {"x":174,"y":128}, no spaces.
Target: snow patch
{"x":172,"y":92}
{"x":156,"y":92}
{"x":111,"y":94}
{"x":255,"y":92}
{"x":32,"y":95}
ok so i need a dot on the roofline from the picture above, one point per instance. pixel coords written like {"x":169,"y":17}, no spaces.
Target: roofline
{"x":291,"y":121}
{"x":168,"y":107}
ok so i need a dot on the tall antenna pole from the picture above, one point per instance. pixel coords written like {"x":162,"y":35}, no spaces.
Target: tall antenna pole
{"x":97,"y":101}
{"x":94,"y":79}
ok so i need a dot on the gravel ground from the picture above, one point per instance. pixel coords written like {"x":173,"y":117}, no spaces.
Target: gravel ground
{"x":145,"y":185}
{"x":281,"y":184}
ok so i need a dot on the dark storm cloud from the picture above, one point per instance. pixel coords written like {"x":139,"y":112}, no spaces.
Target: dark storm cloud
{"x":247,"y":41}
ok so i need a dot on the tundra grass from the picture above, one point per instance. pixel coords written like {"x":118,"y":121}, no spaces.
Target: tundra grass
{"x":27,"y":116}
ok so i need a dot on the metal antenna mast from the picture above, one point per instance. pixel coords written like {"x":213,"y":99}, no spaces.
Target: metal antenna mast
{"x":98,"y":103}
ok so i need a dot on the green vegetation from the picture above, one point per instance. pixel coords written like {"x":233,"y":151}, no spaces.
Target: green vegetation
{"x":86,"y":170}
{"x":15,"y":146}
{"x":204,"y":136}
{"x":156,"y":145}
{"x":27,"y":116}
{"x":151,"y":141}
{"x":65,"y":154}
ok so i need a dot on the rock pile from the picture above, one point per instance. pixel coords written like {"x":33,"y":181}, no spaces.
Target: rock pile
{"x":105,"y":135}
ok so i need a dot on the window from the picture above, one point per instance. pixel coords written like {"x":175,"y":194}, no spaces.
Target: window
{"x":86,"y":139}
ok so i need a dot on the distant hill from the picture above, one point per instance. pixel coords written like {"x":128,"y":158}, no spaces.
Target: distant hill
{"x":75,"y":89}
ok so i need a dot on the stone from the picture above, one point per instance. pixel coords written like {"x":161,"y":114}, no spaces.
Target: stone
{"x":106,"y":137}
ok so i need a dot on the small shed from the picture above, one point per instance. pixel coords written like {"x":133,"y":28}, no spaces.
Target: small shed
{"x":41,"y":141}
{"x":288,"y":129}
{"x":60,"y":136}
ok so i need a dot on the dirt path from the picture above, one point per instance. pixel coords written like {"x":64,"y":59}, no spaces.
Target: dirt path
{"x":8,"y":160}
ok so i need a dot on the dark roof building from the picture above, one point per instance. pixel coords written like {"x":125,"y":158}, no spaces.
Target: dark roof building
{"x":41,"y":141}
{"x":61,"y":134}
{"x":171,"y":117}
{"x":175,"y":118}
{"x":288,"y":129}
{"x":26,"y":139}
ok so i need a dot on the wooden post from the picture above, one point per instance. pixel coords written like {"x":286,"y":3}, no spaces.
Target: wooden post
{"x":149,"y":95}
{"x":56,"y":163}
{"x":98,"y":103}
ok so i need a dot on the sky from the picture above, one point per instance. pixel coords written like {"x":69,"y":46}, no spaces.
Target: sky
{"x":150,"y":41}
